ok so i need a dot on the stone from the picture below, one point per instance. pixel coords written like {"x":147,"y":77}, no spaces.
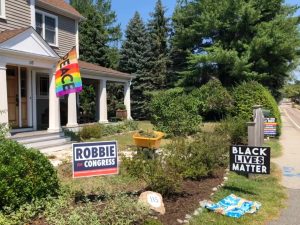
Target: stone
{"x":185,"y":221}
{"x":154,"y":200}
{"x":179,"y":221}
{"x":187,"y":216}
{"x":215,"y":189}
{"x":211,"y":194}
{"x":225,"y":178}
{"x":196,"y":212}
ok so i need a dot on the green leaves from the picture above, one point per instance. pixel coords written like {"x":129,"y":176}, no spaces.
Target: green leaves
{"x":237,"y":41}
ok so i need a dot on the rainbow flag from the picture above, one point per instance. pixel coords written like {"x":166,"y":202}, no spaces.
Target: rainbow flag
{"x":67,"y":76}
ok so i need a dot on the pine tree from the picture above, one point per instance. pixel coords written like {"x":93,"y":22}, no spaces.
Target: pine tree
{"x":158,"y":29}
{"x":135,"y":55}
{"x":98,"y":33}
{"x":237,"y":40}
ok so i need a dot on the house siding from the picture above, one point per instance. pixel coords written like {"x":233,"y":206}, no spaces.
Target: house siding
{"x":66,"y":33}
{"x":17,"y":15}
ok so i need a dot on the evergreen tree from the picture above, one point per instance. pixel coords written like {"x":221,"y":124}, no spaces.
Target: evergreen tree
{"x":237,"y":40}
{"x":98,"y":33}
{"x":158,"y":29}
{"x":135,"y":55}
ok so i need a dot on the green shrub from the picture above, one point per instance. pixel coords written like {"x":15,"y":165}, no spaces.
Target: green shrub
{"x":159,"y":176}
{"x":91,"y":131}
{"x":152,"y":222}
{"x":99,"y":130}
{"x":175,"y":114}
{"x":121,"y":210}
{"x":26,"y":174}
{"x":198,"y":158}
{"x":252,"y":93}
{"x":214,"y":101}
{"x":236,"y":130}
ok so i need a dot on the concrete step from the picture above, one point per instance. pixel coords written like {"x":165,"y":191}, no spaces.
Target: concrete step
{"x":51,"y":149}
{"x":30,"y":137}
{"x":40,"y":144}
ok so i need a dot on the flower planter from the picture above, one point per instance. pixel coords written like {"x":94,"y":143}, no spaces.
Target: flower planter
{"x":121,"y":114}
{"x":146,"y":142}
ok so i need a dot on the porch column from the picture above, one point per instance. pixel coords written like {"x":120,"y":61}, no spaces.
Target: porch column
{"x":3,"y":94}
{"x":127,"y":99}
{"x":72,"y":110}
{"x":54,"y":108}
{"x":102,"y":102}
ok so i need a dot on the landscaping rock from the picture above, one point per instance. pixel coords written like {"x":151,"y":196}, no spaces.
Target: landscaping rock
{"x":187,"y":216}
{"x":154,"y":201}
{"x":185,"y":221}
{"x":215,"y":189}
{"x":225,"y":178}
{"x":179,"y":221}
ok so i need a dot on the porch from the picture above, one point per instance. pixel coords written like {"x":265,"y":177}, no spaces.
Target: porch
{"x":28,"y":99}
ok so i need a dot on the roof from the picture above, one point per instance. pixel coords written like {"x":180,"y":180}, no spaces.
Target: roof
{"x":8,"y":34}
{"x":60,"y":5}
{"x":103,"y":70}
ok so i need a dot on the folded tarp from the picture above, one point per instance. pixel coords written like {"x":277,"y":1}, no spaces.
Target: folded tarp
{"x":233,"y":206}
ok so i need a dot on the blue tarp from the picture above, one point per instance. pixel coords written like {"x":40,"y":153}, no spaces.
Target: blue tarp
{"x":233,"y":206}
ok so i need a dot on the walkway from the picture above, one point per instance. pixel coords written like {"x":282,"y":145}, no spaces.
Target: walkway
{"x":289,"y":163}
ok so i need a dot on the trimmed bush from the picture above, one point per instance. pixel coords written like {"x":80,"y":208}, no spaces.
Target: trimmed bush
{"x":214,"y":101}
{"x":235,"y":128}
{"x":175,"y":113}
{"x":26,"y":175}
{"x":252,"y":93}
{"x":199,"y":158}
{"x":158,"y":175}
{"x":98,"y":130}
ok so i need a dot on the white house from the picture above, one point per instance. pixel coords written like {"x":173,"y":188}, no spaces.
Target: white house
{"x":34,"y":34}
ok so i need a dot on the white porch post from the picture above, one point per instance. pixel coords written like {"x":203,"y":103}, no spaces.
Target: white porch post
{"x":127,"y":99}
{"x":3,"y":94}
{"x":54,"y":108}
{"x":34,"y":100}
{"x":102,"y":102}
{"x":29,"y":98}
{"x":72,"y":110}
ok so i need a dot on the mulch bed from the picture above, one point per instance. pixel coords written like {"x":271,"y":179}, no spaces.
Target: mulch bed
{"x":188,"y":201}
{"x":185,"y":202}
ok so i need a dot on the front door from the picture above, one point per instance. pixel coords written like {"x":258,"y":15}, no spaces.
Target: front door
{"x":13,"y":96}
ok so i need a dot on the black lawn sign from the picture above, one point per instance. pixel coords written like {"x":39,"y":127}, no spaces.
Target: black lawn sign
{"x":247,"y":159}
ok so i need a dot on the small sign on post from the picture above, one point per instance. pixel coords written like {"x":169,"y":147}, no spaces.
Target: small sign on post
{"x":270,"y":129}
{"x":248,"y":159}
{"x":95,"y":159}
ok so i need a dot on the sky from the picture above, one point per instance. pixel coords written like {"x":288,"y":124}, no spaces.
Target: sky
{"x":125,"y":9}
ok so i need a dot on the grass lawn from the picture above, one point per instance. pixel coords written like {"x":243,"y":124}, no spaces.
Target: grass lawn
{"x":125,"y":140}
{"x":276,"y":148}
{"x":264,"y":189}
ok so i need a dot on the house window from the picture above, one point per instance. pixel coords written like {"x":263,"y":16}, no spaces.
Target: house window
{"x":44,"y":86}
{"x":2,"y":9}
{"x":46,"y":26}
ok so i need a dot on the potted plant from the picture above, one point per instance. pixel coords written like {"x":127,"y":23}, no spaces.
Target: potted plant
{"x":121,"y":111}
{"x":145,"y":139}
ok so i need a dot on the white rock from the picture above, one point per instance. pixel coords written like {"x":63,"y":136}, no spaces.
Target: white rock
{"x":179,"y":221}
{"x":225,"y":178}
{"x":154,"y":201}
{"x":185,"y":221}
{"x":215,"y":189}
{"x":196,"y":213}
{"x":187,"y":216}
{"x":203,"y":203}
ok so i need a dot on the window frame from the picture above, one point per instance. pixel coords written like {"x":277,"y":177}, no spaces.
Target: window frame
{"x":40,"y":94}
{"x":2,"y":5}
{"x":44,"y":26}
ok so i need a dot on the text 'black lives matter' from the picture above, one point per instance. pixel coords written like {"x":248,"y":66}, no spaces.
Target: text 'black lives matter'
{"x":248,"y":159}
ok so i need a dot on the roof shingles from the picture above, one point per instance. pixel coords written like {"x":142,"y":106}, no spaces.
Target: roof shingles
{"x":8,"y":34}
{"x":62,"y":5}
{"x":102,"y":70}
